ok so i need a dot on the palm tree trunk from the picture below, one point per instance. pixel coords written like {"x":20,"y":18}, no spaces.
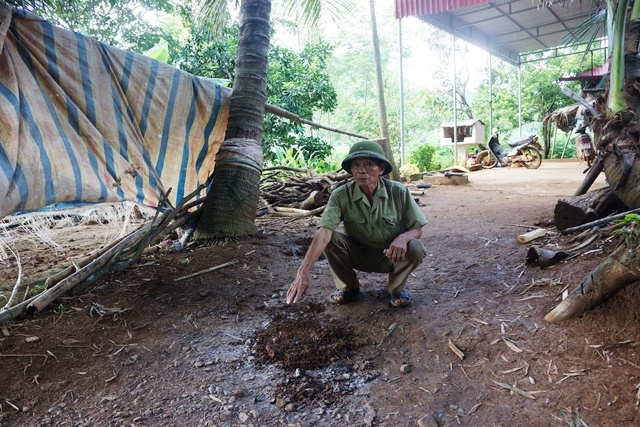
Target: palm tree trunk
{"x":230,"y":208}
{"x":617,"y":136}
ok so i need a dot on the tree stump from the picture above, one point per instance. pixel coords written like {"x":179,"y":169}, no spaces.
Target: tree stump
{"x":588,"y":207}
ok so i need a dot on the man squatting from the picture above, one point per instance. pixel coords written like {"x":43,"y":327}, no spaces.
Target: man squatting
{"x":382,"y":228}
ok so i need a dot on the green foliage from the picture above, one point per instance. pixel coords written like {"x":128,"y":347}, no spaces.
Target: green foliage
{"x":313,"y":147}
{"x":296,"y":157}
{"x":37,"y":289}
{"x":204,"y":53}
{"x":299,"y":84}
{"x":443,"y":158}
{"x":308,"y":12}
{"x":159,"y":52}
{"x":290,"y":157}
{"x":630,"y":226}
{"x":59,"y":309}
{"x":123,"y":23}
{"x":430,"y":158}
{"x":440,"y":42}
{"x":541,"y":91}
{"x":562,"y":152}
{"x":423,"y":157}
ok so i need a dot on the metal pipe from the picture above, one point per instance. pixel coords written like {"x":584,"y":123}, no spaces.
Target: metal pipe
{"x":401,"y":95}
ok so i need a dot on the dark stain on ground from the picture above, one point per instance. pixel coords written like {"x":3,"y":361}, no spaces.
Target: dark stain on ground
{"x":301,"y":343}
{"x":316,"y":357}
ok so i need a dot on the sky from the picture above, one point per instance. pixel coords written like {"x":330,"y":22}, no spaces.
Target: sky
{"x":417,"y":63}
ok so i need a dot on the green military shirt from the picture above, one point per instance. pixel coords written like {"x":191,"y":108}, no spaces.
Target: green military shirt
{"x":392,"y":212}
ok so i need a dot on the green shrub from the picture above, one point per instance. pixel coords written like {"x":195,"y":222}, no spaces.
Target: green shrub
{"x":423,"y":157}
{"x":442,"y":159}
{"x":430,"y":158}
{"x":296,"y":157}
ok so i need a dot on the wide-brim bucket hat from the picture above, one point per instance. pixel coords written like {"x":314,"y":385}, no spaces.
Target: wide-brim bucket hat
{"x":366,"y":150}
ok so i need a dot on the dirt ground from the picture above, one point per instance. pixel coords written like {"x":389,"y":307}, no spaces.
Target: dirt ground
{"x":148,"y":347}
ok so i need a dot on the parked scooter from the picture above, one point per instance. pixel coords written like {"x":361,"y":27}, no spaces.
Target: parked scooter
{"x":521,"y":152}
{"x":587,"y":151}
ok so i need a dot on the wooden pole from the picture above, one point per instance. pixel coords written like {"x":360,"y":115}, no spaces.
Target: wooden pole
{"x":593,"y":173}
{"x":564,"y":150}
{"x":296,"y":118}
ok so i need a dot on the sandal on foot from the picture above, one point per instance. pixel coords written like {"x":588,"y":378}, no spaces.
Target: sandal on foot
{"x":346,"y":296}
{"x":400,"y":300}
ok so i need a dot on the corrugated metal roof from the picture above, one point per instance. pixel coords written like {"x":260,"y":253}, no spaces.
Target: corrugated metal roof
{"x":406,"y":8}
{"x":506,"y":28}
{"x":463,"y":122}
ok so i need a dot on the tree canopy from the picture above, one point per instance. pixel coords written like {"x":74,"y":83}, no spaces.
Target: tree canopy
{"x":326,"y":73}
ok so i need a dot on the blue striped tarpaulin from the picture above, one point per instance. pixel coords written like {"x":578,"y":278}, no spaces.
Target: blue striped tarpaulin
{"x":82,"y":121}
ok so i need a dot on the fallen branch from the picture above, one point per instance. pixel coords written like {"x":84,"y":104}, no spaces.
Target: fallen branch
{"x":24,"y":355}
{"x":293,"y":212}
{"x":206,"y":270}
{"x":295,"y":191}
{"x":456,"y":350}
{"x":388,"y":334}
{"x":16,"y":288}
{"x":618,"y":270}
{"x":515,"y":390}
{"x":48,"y":296}
{"x":598,"y":222}
{"x":289,"y":168}
{"x":115,"y":257}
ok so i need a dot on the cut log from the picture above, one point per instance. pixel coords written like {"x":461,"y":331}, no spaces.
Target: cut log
{"x":618,"y":270}
{"x":586,"y":208}
{"x":315,"y":199}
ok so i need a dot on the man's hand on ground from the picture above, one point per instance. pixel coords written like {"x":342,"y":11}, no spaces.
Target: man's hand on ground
{"x":298,"y":288}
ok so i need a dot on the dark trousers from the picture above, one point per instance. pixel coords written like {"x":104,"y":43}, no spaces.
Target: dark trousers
{"x":345,"y":256}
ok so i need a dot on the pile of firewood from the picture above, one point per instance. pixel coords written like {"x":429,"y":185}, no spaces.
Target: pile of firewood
{"x":286,"y":191}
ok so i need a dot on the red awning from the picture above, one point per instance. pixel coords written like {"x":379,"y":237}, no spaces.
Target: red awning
{"x":406,"y":8}
{"x":596,"y":73}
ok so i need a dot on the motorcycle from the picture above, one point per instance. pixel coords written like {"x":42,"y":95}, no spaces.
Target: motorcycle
{"x":521,"y":152}
{"x":585,"y":146}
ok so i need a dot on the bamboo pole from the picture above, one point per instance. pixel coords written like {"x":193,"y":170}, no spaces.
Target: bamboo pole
{"x":12,"y":313}
{"x":566,"y":144}
{"x":555,"y":137}
{"x":75,"y":266}
{"x":46,"y":297}
{"x":269,"y":108}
